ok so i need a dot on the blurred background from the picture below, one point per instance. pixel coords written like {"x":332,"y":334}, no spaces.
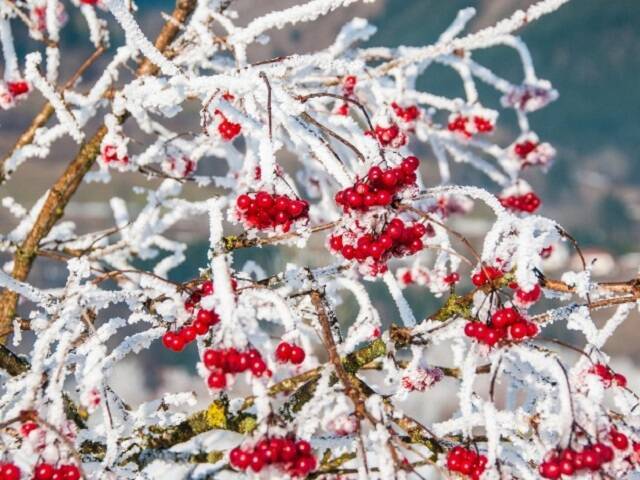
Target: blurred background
{"x":589,"y":50}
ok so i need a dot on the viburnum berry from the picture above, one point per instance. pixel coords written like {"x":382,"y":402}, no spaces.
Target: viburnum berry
{"x":528,"y":202}
{"x":468,"y":126}
{"x":286,"y":352}
{"x":379,"y":187}
{"x":231,"y":361}
{"x":293,"y":457}
{"x":505,"y":323}
{"x":466,"y":462}
{"x":110,"y":155}
{"x":407,"y":114}
{"x":349,"y":84}
{"x":227,"y":129}
{"x":524,"y":148}
{"x":486,"y":275}
{"x":608,"y":376}
{"x":619,"y":440}
{"x":18,"y":88}
{"x":526,"y":298}
{"x":173,"y":341}
{"x":390,"y":136}
{"x":395,"y":240}
{"x":27,"y":427}
{"x":452,"y":278}
{"x":263,"y":210}
{"x":9,"y":471}
{"x":217,"y":380}
{"x":43,"y":471}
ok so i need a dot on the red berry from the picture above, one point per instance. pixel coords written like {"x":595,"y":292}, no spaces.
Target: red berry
{"x":470,"y":329}
{"x":479,"y":279}
{"x":258,"y":367}
{"x":217,"y":380}
{"x":10,"y":472}
{"x":335,"y":242}
{"x":256,"y":462}
{"x":591,"y":459}
{"x":305,"y":465}
{"x":550,"y":470}
{"x":17,"y":88}
{"x":297,"y":355}
{"x":70,"y":472}
{"x":283,"y":352}
{"x":288,"y":451}
{"x":207,"y":316}
{"x":27,"y":427}
{"x":207,"y":287}
{"x":200,"y":327}
{"x":43,"y":471}
{"x":619,"y":380}
{"x":243,"y":202}
{"x":518,"y":331}
{"x":304,"y":448}
{"x":619,"y":440}
{"x":213,"y":358}
{"x":188,"y":334}
{"x":566,"y":467}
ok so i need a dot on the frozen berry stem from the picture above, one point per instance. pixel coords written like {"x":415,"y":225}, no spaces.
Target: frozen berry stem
{"x":358,"y":201}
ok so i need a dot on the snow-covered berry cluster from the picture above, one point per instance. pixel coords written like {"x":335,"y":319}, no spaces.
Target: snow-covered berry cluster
{"x":263,"y":210}
{"x":388,"y":135}
{"x":295,"y":457}
{"x":380,"y":187}
{"x":396,"y":239}
{"x":468,"y":126}
{"x":526,"y":202}
{"x":201,"y":324}
{"x":608,"y":377}
{"x":506,"y":323}
{"x":466,"y":462}
{"x":233,"y":362}
{"x":592,"y":457}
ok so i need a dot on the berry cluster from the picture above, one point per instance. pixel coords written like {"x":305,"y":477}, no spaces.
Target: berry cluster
{"x":505,"y":323}
{"x":452,"y":278}
{"x":294,"y":457}
{"x":608,"y":376}
{"x":396,"y":240}
{"x":205,"y":319}
{"x":390,"y":136}
{"x":287,"y":352}
{"x":264,"y":210}
{"x":232,"y":361}
{"x":467,"y":462}
{"x":348,"y":87}
{"x":9,"y":471}
{"x":569,"y":461}
{"x":527,"y":202}
{"x":89,"y":2}
{"x":486,"y":275}
{"x":408,"y":114}
{"x":467,"y":126}
{"x":46,"y":471}
{"x":110,"y":155}
{"x":228,"y":130}
{"x":379,"y":186}
{"x":523,"y":149}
